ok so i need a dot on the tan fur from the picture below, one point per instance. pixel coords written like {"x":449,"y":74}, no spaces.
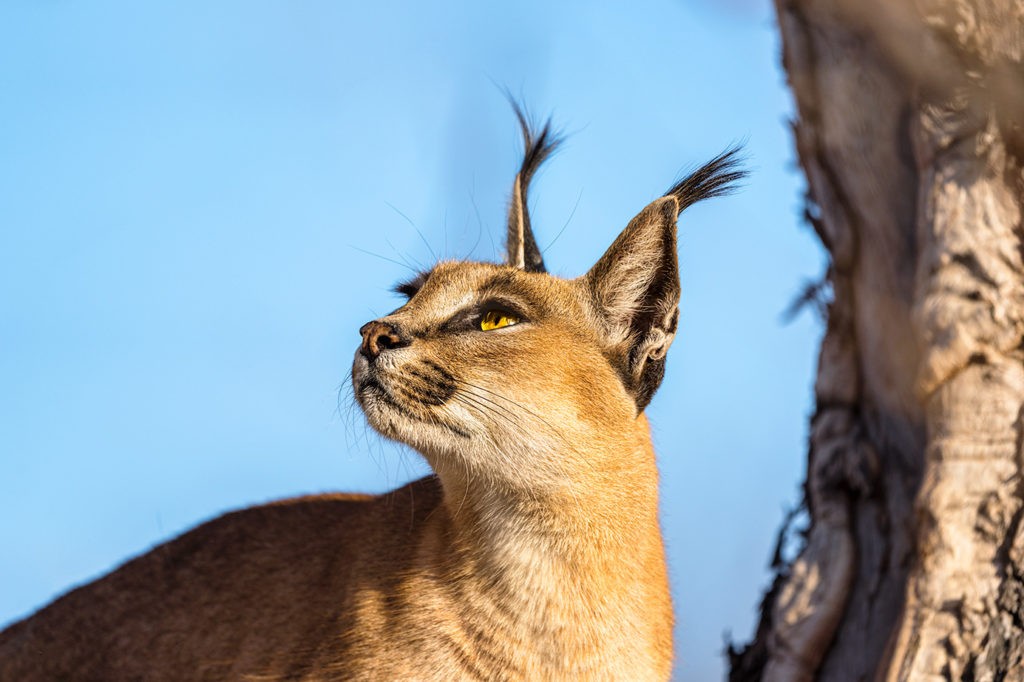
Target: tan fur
{"x":534,"y":553}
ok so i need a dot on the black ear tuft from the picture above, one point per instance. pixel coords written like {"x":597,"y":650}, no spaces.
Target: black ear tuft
{"x":521,"y":248}
{"x":635,"y":284}
{"x":716,"y":178}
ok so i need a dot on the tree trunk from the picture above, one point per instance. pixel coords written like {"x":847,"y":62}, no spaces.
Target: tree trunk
{"x":910,"y":132}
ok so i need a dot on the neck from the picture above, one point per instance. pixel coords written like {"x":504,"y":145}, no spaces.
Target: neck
{"x":578,"y":569}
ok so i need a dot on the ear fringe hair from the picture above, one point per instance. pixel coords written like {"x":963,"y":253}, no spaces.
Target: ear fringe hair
{"x":522,"y":250}
{"x":716,"y":178}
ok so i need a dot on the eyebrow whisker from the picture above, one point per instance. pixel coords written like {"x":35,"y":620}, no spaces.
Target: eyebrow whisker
{"x":377,"y":255}
{"x":418,"y":231}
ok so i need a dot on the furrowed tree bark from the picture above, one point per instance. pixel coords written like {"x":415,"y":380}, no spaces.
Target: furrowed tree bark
{"x":910,"y":130}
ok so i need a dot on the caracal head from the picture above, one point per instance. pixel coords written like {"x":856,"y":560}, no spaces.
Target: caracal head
{"x":506,"y":373}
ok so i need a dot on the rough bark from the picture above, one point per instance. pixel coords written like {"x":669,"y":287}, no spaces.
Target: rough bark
{"x":910,"y":132}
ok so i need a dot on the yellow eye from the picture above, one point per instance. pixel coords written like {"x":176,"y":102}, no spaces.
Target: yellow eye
{"x":494,"y":319}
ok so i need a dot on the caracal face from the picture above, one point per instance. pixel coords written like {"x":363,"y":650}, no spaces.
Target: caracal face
{"x":485,"y":362}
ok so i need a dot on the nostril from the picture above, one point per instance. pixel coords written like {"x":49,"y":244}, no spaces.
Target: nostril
{"x":387,"y":341}
{"x":379,"y":336}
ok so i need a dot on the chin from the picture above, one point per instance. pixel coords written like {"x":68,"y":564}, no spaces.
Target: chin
{"x":379,"y":414}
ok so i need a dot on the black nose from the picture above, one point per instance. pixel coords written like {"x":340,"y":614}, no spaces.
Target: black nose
{"x":380,"y":336}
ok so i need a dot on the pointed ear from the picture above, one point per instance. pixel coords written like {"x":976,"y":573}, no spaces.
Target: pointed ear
{"x":635,"y":284}
{"x":635,"y":288}
{"x":521,"y":249}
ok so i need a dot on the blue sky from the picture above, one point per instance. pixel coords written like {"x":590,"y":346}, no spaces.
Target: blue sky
{"x":187,"y":193}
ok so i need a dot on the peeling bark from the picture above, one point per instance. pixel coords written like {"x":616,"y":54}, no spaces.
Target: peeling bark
{"x":910,"y":120}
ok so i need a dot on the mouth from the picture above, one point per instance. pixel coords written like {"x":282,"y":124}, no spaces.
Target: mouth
{"x":381,"y":404}
{"x":370,"y":392}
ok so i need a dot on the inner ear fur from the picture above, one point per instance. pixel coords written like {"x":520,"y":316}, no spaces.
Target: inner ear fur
{"x":635,"y":289}
{"x":635,"y":285}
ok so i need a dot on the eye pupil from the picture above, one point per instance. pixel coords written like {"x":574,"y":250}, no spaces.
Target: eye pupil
{"x":494,"y":319}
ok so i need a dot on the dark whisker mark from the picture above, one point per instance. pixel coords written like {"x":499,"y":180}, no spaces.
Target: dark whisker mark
{"x":387,"y":397}
{"x":445,"y":374}
{"x":437,"y":392}
{"x":425,"y":396}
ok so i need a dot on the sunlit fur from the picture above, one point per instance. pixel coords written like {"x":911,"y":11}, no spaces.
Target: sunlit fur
{"x":547,"y":472}
{"x":533,"y":553}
